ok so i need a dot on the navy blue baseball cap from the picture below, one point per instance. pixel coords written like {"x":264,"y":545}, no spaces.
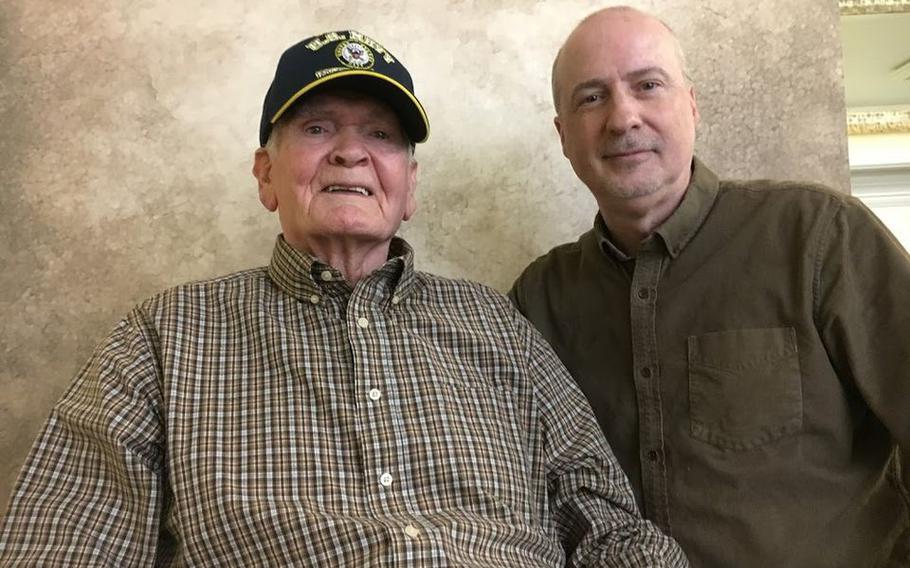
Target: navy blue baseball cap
{"x":345,"y":60}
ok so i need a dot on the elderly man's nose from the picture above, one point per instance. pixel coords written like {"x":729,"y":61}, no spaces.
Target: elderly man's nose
{"x":349,"y":150}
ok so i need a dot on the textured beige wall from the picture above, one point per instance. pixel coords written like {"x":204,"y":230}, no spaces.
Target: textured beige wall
{"x":128,"y":129}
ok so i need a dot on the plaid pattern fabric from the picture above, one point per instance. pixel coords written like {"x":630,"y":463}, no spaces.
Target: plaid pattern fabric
{"x":278,"y":417}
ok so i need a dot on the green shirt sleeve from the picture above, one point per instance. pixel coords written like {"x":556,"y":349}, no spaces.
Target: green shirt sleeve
{"x":861,"y":295}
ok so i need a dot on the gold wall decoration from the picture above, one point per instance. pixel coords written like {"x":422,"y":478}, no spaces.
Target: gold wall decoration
{"x":890,"y":120}
{"x":864,"y":7}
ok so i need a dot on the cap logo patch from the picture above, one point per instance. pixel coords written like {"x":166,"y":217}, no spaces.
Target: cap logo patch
{"x":354,"y":54}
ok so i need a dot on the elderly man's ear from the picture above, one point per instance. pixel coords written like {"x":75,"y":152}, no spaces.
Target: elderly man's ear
{"x":262,"y":170}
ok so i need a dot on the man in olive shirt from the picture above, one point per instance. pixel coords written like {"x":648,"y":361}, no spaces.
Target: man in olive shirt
{"x":745,"y":346}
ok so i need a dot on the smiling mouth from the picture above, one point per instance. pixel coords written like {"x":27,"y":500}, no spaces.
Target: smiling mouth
{"x":626,"y":154}
{"x":348,"y":189}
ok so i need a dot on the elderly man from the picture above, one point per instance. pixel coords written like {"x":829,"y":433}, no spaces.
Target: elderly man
{"x":336,"y":408}
{"x":745,"y":346}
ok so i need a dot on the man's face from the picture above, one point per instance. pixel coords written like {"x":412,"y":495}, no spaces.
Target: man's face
{"x":341,"y":171}
{"x":626,"y":116}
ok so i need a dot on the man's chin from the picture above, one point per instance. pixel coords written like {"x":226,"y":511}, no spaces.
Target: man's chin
{"x":359,"y":230}
{"x":628,"y":189}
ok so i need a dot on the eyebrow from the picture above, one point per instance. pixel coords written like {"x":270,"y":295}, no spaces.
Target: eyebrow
{"x":310,"y":111}
{"x":598,"y":83}
{"x":589,"y":84}
{"x":652,"y":70}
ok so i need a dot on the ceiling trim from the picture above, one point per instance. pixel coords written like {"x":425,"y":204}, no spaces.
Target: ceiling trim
{"x":884,"y":120}
{"x":864,"y":7}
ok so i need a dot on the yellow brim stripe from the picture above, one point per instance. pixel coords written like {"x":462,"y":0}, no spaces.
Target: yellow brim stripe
{"x":327,"y":78}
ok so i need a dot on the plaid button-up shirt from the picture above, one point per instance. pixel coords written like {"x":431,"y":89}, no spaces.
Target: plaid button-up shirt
{"x":280,"y":417}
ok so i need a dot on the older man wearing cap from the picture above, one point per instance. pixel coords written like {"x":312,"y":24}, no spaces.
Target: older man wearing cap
{"x":336,"y":408}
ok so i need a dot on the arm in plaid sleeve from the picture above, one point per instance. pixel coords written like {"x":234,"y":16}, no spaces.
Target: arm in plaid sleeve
{"x":591,"y":502}
{"x":91,"y":491}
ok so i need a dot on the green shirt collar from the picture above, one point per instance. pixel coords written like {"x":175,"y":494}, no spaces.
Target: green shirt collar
{"x":682,"y":225}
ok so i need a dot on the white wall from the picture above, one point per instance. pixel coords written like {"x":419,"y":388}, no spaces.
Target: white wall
{"x":880,"y":176}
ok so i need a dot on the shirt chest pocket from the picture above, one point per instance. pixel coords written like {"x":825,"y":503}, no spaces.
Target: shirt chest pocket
{"x":745,"y":388}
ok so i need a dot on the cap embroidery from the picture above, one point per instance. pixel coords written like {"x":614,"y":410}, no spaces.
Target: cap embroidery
{"x":355,"y":55}
{"x":318,"y":42}
{"x":322,"y":73}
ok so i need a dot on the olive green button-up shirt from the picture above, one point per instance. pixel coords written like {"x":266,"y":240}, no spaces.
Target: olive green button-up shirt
{"x":750,"y":368}
{"x":281,"y":417}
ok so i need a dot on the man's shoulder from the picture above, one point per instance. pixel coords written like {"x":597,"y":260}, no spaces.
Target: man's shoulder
{"x":562,"y":262}
{"x":470,"y":303}
{"x":784,"y":191}
{"x":220,"y":291}
{"x":443,"y":289}
{"x":791,"y":204}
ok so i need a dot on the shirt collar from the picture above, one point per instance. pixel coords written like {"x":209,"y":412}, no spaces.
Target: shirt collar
{"x":303,"y":276}
{"x":683,"y":223}
{"x":606,"y":242}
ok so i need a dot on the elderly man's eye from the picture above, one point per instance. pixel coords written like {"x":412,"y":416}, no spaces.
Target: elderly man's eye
{"x":381,"y":134}
{"x":649,"y":85}
{"x":314,"y":129}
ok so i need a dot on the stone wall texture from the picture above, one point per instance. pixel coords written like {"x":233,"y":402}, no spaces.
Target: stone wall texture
{"x":128,"y":129}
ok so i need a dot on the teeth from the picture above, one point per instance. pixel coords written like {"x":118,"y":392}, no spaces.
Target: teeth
{"x":361,"y":190}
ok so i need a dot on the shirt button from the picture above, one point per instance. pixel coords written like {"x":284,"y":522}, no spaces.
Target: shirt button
{"x":363,"y":322}
{"x":654,"y":455}
{"x":375,"y":394}
{"x":395,"y":300}
{"x":386,"y":479}
{"x":412,"y":531}
{"x":646,"y":372}
{"x":644,"y":293}
{"x":326,"y":275}
{"x":314,"y":299}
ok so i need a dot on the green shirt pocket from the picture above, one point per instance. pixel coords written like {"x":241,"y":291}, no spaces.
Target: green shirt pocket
{"x":745,"y":388}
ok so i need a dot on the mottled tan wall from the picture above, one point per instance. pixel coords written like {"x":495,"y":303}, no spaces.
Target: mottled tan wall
{"x":128,"y":129}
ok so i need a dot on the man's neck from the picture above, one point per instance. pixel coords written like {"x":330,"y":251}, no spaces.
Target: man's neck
{"x":631,"y":221}
{"x":354,"y":259}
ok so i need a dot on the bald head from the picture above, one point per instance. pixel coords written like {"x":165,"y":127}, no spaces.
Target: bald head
{"x":625,"y":112}
{"x":605,"y":22}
